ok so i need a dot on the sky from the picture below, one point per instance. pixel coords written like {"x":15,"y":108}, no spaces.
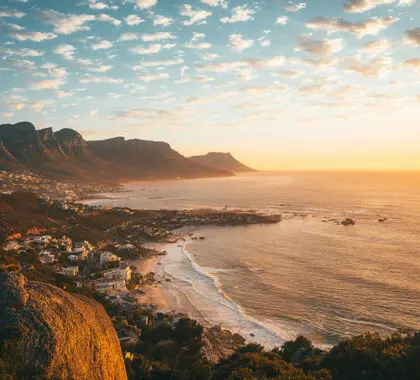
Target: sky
{"x":282,"y":85}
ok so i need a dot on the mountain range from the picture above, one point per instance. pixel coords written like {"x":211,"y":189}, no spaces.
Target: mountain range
{"x":65,"y":154}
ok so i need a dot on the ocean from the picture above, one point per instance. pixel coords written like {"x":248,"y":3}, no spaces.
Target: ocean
{"x":306,"y":275}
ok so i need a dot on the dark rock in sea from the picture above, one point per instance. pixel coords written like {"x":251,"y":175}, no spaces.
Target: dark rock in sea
{"x":202,"y":238}
{"x":382,"y":220}
{"x":48,"y":333}
{"x":348,"y":222}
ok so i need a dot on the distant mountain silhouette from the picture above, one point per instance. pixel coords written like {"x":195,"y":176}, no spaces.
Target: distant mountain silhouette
{"x":66,"y":155}
{"x":221,"y":161}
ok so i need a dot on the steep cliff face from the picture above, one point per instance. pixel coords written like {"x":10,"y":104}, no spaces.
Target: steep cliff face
{"x":48,"y":333}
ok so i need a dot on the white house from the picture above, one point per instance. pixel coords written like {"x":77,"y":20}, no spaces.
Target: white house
{"x":108,"y":257}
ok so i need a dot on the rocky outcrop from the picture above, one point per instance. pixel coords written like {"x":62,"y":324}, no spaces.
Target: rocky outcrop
{"x":220,"y":344}
{"x":221,"y":161}
{"x":48,"y":333}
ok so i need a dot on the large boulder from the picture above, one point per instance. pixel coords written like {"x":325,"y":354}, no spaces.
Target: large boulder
{"x":48,"y":333}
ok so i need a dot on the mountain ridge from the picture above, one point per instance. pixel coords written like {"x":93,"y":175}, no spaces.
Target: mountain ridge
{"x":65,"y":154}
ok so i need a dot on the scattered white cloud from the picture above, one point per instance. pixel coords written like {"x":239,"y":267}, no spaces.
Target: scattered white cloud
{"x":66,"y":23}
{"x":413,"y":36}
{"x":93,"y":112}
{"x":107,"y":18}
{"x":153,"y":77}
{"x":95,"y":79}
{"x":151,"y":49}
{"x":21,"y":64}
{"x":319,"y":48}
{"x":159,"y":63}
{"x":359,"y":6}
{"x":102,"y":45}
{"x":282,"y":20}
{"x":164,"y":21}
{"x":376,"y":47}
{"x":128,"y":37}
{"x":47,"y":84}
{"x":216,"y":3}
{"x":372,"y":26}
{"x":378,"y":67}
{"x":33,"y":36}
{"x":238,"y":44}
{"x":294,"y":7}
{"x":157,"y":37}
{"x":412,"y":63}
{"x":197,"y":43}
{"x":241,"y":13}
{"x":133,"y":20}
{"x":144,"y":4}
{"x":93,"y":4}
{"x":24,"y":52}
{"x":66,"y":51}
{"x":6,"y":12}
{"x":196,"y":16}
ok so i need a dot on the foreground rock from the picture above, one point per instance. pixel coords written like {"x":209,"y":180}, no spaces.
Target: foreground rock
{"x":48,"y":333}
{"x":220,"y":344}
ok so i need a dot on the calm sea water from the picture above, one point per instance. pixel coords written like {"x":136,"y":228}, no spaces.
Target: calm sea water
{"x":306,"y":275}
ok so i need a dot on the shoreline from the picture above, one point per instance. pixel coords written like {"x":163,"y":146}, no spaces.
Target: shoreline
{"x":210,"y":306}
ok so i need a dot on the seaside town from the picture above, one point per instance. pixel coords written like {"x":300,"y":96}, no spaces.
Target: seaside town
{"x":103,"y":250}
{"x":12,"y":181}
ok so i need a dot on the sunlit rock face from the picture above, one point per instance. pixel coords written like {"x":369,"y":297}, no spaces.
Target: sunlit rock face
{"x":48,"y":333}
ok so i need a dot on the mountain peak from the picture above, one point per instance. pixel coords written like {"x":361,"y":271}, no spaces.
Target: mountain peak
{"x":221,"y":161}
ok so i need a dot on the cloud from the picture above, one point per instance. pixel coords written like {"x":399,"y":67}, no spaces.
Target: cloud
{"x":164,"y":21}
{"x":128,"y":37}
{"x":55,"y":71}
{"x":106,"y":18}
{"x":216,"y":3}
{"x":94,"y":79}
{"x":151,"y":49}
{"x":102,"y":45}
{"x":372,"y":26}
{"x":144,"y":4}
{"x":6,"y":12}
{"x":65,"y":23}
{"x":413,"y":63}
{"x":319,"y":48}
{"x":97,"y":68}
{"x":413,"y":36}
{"x":195,"y":16}
{"x":66,"y":51}
{"x":24,"y":52}
{"x":294,"y":7}
{"x":238,"y":44}
{"x":293,"y":74}
{"x":240,"y":13}
{"x":132,"y":20}
{"x":251,"y":63}
{"x":153,"y":77}
{"x":196,"y":44}
{"x":282,"y":20}
{"x":47,"y":84}
{"x":376,"y":47}
{"x":359,"y":6}
{"x":33,"y":36}
{"x":97,"y":5}
{"x":93,"y":112}
{"x":378,"y":67}
{"x":21,"y":64}
{"x":157,"y":37}
{"x":159,"y":63}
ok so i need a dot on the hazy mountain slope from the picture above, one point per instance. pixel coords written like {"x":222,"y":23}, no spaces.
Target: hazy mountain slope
{"x":150,"y":159}
{"x":222,"y":161}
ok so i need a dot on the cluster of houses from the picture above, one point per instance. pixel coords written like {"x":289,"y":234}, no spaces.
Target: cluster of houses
{"x":78,"y":260}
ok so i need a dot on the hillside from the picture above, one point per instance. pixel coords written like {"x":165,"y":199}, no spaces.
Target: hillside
{"x":221,"y":161}
{"x":66,"y":155}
